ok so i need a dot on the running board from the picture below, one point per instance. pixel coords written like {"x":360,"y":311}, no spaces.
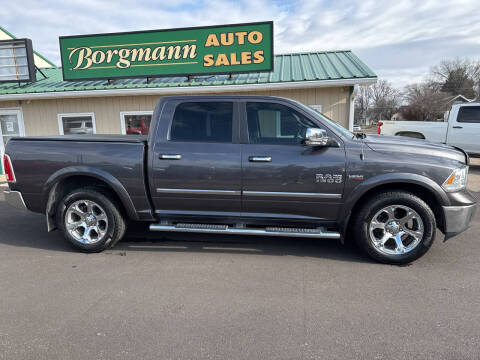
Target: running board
{"x":319,"y":233}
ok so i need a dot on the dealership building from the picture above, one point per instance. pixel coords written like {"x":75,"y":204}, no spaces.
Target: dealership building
{"x":325,"y":80}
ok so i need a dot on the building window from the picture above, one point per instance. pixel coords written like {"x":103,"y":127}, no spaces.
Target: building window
{"x":76,"y":124}
{"x":11,"y":125}
{"x":135,"y":122}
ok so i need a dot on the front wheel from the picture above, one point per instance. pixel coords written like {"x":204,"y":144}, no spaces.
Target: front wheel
{"x":90,"y":220}
{"x":395,"y":227}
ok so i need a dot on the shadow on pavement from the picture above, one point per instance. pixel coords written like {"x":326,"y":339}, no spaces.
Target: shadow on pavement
{"x":139,"y":239}
{"x":474,"y":175}
{"x":474,"y":168}
{"x":23,"y":228}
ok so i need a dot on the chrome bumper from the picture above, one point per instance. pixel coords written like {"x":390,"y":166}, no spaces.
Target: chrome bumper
{"x":458,"y":218}
{"x":14,"y":198}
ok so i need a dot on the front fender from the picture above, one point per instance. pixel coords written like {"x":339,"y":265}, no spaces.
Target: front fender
{"x":384,"y":180}
{"x":93,"y":172}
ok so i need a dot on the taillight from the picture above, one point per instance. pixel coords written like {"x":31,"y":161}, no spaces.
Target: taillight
{"x":8,"y":168}
{"x":379,"y":127}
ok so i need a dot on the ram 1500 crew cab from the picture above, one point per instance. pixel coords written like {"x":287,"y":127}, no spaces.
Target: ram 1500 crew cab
{"x":462,"y":128}
{"x":245,"y":165}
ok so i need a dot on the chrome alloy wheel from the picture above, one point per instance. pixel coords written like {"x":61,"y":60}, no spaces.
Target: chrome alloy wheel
{"x":396,"y":230}
{"x":86,"y":221}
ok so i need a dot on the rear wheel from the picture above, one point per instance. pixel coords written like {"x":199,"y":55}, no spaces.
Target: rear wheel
{"x":90,"y":220}
{"x":395,"y":227}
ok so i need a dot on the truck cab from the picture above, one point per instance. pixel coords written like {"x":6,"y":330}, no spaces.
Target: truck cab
{"x":216,"y":157}
{"x":464,"y":127}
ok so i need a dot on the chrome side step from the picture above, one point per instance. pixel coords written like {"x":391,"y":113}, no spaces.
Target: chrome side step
{"x":318,"y":233}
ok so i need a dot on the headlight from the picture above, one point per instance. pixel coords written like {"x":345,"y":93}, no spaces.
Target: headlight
{"x":457,"y":180}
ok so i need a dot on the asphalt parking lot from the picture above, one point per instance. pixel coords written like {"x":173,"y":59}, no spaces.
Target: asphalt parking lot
{"x":213,"y":297}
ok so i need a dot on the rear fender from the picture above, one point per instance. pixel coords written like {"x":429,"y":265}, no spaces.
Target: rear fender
{"x":50,"y":193}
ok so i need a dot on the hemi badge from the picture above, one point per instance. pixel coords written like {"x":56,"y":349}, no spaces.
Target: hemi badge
{"x":355,"y":177}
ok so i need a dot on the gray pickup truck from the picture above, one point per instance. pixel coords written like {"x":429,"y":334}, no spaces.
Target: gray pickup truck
{"x":248,"y":165}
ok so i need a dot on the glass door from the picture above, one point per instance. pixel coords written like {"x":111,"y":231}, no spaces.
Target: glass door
{"x":11,"y":125}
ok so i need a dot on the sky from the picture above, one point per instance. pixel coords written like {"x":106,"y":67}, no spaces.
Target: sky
{"x":399,"y":40}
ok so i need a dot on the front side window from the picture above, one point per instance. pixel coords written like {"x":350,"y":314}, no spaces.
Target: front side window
{"x":202,"y":122}
{"x":276,"y":124}
{"x":469,"y":114}
{"x":72,"y":124}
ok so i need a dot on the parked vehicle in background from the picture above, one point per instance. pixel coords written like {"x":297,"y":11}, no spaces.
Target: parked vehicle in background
{"x":461,"y":130}
{"x":357,"y":128}
{"x":245,"y":165}
{"x":137,"y":126}
{"x":80,"y":127}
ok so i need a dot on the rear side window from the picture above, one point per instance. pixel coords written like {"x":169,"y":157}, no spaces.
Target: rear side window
{"x":276,"y":124}
{"x":469,"y":114}
{"x":202,"y":122}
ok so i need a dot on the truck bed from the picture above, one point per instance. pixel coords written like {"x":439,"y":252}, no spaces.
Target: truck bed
{"x":41,"y":161}
{"x":435,"y":131}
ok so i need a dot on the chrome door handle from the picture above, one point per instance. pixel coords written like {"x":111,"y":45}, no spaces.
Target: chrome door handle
{"x":170,"y":157}
{"x":260,"y":158}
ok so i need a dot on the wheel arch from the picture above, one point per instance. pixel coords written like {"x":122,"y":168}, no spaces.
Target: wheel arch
{"x":418,"y":185}
{"x":68,"y":179}
{"x":412,"y":134}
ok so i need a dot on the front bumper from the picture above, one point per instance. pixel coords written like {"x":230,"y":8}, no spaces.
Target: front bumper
{"x":458,"y":218}
{"x":15,"y":199}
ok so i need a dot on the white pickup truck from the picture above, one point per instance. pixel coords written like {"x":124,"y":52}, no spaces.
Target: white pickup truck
{"x":462,"y":128}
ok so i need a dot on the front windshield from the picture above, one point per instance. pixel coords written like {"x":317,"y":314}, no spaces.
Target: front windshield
{"x":330,"y":122}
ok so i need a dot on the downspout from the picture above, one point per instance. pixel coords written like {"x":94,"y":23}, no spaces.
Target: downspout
{"x":351,"y":115}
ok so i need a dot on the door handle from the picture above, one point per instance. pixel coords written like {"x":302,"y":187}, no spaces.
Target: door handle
{"x":170,"y":157}
{"x":458,"y":127}
{"x":260,"y":158}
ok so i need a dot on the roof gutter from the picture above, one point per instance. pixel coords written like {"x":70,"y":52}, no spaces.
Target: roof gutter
{"x":188,"y":89}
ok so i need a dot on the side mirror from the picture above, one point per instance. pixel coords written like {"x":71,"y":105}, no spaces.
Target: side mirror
{"x":317,"y":137}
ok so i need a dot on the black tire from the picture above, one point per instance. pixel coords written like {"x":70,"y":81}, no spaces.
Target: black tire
{"x":116,"y":226}
{"x":378,"y":202}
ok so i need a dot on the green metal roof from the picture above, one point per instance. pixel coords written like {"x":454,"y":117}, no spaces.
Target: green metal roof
{"x":299,"y":67}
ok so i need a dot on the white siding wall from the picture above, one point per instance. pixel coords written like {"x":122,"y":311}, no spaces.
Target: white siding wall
{"x":40,"y":116}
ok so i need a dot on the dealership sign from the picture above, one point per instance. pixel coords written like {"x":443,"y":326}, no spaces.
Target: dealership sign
{"x":188,"y":51}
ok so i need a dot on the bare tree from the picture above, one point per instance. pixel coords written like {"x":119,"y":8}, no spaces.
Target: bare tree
{"x":362,"y":104}
{"x":458,"y":77}
{"x":385,"y":100}
{"x":475,"y":75}
{"x":424,"y":102}
{"x":427,"y":100}
{"x":376,"y":102}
